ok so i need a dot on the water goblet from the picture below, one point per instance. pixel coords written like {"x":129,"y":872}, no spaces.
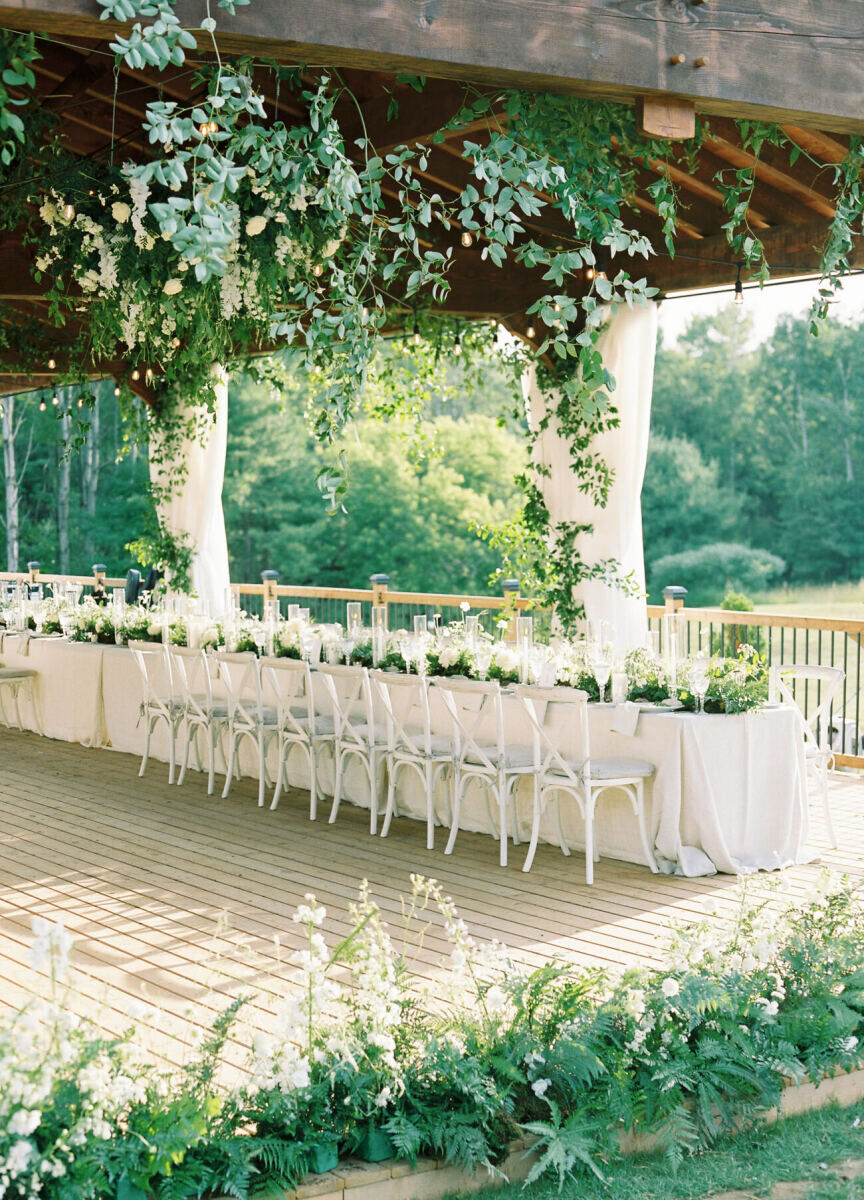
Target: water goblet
{"x":601,"y":670}
{"x":699,"y":682}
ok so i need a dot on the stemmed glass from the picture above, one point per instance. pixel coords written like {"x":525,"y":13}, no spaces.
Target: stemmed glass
{"x":602,"y":670}
{"x":482,"y":659}
{"x":699,"y":681}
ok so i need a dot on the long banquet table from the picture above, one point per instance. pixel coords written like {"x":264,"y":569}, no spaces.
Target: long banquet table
{"x":729,"y":792}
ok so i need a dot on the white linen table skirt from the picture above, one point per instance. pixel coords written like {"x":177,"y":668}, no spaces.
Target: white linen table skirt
{"x":729,"y":792}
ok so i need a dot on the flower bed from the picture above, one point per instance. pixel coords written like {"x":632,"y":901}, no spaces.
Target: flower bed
{"x":453,"y":1070}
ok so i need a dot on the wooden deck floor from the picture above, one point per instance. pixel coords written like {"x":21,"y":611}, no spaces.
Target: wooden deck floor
{"x":179,"y":900}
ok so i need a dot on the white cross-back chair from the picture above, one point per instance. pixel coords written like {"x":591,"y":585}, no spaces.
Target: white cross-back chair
{"x":13,"y":682}
{"x":572,"y":772}
{"x":815,"y":729}
{"x":290,"y":681}
{"x":411,"y":743}
{"x":481,"y":754}
{"x":248,"y":715}
{"x":159,"y":701}
{"x":203,"y":715}
{"x":355,"y":732}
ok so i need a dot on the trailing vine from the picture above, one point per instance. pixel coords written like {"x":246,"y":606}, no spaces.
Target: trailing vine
{"x":246,"y":233}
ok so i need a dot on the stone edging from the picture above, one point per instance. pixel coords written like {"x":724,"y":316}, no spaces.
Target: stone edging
{"x":433,"y":1179}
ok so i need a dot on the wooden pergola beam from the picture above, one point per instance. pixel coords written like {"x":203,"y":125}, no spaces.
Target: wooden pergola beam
{"x":756,"y":60}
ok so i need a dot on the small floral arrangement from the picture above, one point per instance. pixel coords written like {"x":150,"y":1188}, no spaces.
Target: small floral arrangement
{"x":646,"y":679}
{"x":734,"y":684}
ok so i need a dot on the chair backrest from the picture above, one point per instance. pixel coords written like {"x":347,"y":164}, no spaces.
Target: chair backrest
{"x":289,"y":680}
{"x":829,"y":680}
{"x":546,"y":710}
{"x":154,"y":667}
{"x":241,"y":676}
{"x":405,"y":701}
{"x":350,"y":694}
{"x":190,"y":670}
{"x":472,"y":703}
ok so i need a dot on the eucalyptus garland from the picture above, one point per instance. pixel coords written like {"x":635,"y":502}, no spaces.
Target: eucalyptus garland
{"x":245,"y":233}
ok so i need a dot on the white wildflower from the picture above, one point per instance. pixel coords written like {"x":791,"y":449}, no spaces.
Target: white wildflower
{"x":23,"y":1122}
{"x":120,"y":212}
{"x":172,"y":287}
{"x":256,"y":225}
{"x":540,"y":1086}
{"x":670,"y":987}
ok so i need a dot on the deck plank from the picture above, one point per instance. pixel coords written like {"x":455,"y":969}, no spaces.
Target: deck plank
{"x":182,"y":901}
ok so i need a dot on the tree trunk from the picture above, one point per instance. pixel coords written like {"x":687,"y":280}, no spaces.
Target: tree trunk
{"x":63,"y":482}
{"x":90,"y":477}
{"x":10,"y":470}
{"x":802,"y":423}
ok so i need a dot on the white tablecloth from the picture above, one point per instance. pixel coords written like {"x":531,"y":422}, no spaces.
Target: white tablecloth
{"x":729,"y":792}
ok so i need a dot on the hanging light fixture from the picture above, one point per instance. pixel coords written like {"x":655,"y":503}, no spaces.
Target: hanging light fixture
{"x":416,"y":337}
{"x":55,"y":399}
{"x":117,"y":391}
{"x":556,"y":307}
{"x":136,"y":374}
{"x":590,"y":272}
{"x":204,"y":128}
{"x":531,"y":333}
{"x":69,"y":212}
{"x":599,"y":269}
{"x":739,"y":286}
{"x":212,"y":127}
{"x":42,"y":405}
{"x":80,"y":401}
{"x":467,"y":239}
{"x":51,"y":364}
{"x":457,"y":346}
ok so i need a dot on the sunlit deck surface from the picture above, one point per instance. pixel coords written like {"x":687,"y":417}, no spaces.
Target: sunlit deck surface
{"x":180,"y":899}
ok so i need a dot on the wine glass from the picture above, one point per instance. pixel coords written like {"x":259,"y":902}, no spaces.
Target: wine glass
{"x":602,"y":669}
{"x":482,"y":659}
{"x":699,"y":681}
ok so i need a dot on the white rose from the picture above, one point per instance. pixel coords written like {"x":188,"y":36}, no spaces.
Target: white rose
{"x":506,"y":660}
{"x":256,"y":225}
{"x":120,"y":212}
{"x":172,"y":287}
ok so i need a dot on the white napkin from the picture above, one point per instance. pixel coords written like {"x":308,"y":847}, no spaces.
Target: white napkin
{"x":23,"y":646}
{"x":625,"y":718}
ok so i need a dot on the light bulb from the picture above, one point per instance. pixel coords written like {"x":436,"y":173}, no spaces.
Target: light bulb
{"x":457,"y":346}
{"x":531,"y":332}
{"x":204,"y":128}
{"x":590,"y":273}
{"x":556,"y":307}
{"x":69,"y":212}
{"x":136,"y":374}
{"x":415,"y":337}
{"x":212,"y":127}
{"x":42,"y":405}
{"x":600,"y":273}
{"x":80,"y":401}
{"x":467,"y":239}
{"x":55,"y":399}
{"x":116,"y":391}
{"x":739,"y":292}
{"x":317,"y":270}
{"x":51,"y":364}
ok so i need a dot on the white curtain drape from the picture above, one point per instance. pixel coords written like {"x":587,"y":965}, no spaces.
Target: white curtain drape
{"x":195,"y":505}
{"x":627,"y":345}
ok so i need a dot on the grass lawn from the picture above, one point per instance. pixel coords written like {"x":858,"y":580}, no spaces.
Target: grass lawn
{"x":810,"y":1147}
{"x":815,"y":600}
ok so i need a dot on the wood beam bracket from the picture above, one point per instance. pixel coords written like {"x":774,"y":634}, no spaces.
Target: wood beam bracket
{"x":666,"y":117}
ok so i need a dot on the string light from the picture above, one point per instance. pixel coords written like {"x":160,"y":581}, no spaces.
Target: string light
{"x":467,"y":239}
{"x":317,"y":270}
{"x":136,"y":374}
{"x":590,"y":272}
{"x":204,"y":128}
{"x":80,"y":401}
{"x":148,"y":376}
{"x":457,"y":346}
{"x":55,"y":399}
{"x":739,"y":287}
{"x":556,"y":307}
{"x":117,"y":391}
{"x":212,"y":127}
{"x":69,"y":212}
{"x":415,"y":336}
{"x":531,"y":333}
{"x":42,"y":405}
{"x":51,"y":364}
{"x":600,"y":272}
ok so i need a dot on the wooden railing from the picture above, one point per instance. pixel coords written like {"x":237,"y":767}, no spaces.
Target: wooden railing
{"x":784,"y":638}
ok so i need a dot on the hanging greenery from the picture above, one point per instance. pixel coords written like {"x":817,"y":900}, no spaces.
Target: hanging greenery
{"x":245,"y":233}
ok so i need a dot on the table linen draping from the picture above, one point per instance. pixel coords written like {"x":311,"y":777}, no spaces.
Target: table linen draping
{"x":729,"y":792}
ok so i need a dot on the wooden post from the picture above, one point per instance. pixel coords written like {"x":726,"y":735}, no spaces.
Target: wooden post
{"x":673,"y":598}
{"x":380,"y":584}
{"x":99,"y":571}
{"x":510,"y":588}
{"x":271,"y":600}
{"x":33,"y":570}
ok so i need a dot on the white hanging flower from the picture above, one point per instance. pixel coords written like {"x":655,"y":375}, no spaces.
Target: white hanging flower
{"x":256,"y":225}
{"x":172,"y":287}
{"x":540,"y":1086}
{"x":120,"y":212}
{"x":670,"y":987}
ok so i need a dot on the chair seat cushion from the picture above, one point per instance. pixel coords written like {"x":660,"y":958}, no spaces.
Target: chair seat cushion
{"x":515,"y":758}
{"x":621,"y":768}
{"x":440,"y":745}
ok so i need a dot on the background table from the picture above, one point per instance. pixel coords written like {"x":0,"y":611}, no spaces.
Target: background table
{"x":729,"y":792}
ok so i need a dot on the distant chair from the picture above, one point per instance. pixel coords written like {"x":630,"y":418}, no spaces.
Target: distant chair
{"x":133,"y":585}
{"x":355,"y":733}
{"x":410,"y":742}
{"x":248,"y":716}
{"x":815,"y":729}
{"x":14,"y":681}
{"x":576,"y":773}
{"x":481,"y":754}
{"x":202,"y":714}
{"x":158,"y":701}
{"x":299,"y":728}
